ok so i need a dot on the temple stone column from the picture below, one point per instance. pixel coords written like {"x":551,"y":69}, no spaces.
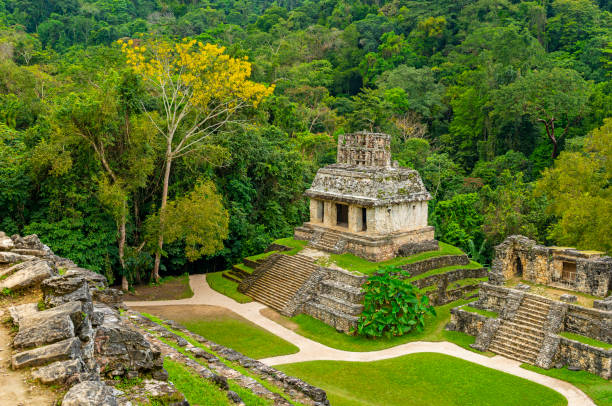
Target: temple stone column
{"x":330,"y":214}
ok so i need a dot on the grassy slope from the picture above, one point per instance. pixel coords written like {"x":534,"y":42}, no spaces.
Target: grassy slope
{"x":471,"y":265}
{"x":597,"y":388}
{"x":247,"y":394}
{"x":238,"y":333}
{"x":242,"y":336}
{"x":354,"y":263}
{"x":586,"y":340}
{"x":421,"y":379}
{"x":198,"y":391}
{"x":486,"y":313}
{"x":226,"y":287}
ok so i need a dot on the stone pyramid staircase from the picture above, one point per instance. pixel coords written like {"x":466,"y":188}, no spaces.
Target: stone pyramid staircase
{"x":329,"y":241}
{"x":338,"y":300}
{"x":278,"y":279}
{"x":521,"y":337}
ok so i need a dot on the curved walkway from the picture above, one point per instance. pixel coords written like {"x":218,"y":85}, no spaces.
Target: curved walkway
{"x":313,"y":351}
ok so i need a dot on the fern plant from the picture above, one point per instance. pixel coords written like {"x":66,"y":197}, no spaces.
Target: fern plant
{"x":392,"y":306}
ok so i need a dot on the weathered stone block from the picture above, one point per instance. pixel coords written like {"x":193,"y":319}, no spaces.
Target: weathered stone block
{"x":48,"y":331}
{"x":29,"y":275}
{"x":568,"y":298}
{"x":90,"y":393}
{"x":58,"y":372}
{"x":63,"y":350}
{"x":120,"y":349}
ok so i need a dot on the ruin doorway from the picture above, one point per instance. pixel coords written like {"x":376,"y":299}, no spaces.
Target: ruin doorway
{"x":364,"y":219}
{"x":518,"y":266}
{"x":568,"y":273}
{"x":341,"y":215}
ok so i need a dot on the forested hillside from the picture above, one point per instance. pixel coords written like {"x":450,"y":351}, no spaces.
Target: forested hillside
{"x":503,"y":106}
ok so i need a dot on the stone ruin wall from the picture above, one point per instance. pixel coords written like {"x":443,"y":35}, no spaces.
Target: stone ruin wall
{"x":544,"y":265}
{"x":593,"y":323}
{"x":364,"y":149}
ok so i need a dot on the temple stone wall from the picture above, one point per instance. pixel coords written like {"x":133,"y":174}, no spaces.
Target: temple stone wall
{"x":564,"y":268}
{"x":585,"y":357}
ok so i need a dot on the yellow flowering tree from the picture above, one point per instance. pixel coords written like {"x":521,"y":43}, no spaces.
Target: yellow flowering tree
{"x":200,"y":89}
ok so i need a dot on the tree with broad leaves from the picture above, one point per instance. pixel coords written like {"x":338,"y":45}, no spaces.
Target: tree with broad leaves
{"x":201,"y":90}
{"x":555,"y":98}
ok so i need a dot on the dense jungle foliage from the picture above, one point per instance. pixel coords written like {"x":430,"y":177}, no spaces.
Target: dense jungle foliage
{"x":503,"y":106}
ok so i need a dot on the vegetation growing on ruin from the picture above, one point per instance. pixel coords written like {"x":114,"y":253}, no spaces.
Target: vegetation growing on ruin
{"x":392,"y":306}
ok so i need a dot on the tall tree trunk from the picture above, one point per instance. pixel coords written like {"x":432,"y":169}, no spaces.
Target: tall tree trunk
{"x":160,"y":241}
{"x":124,"y":282}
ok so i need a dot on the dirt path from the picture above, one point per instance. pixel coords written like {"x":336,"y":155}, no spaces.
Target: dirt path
{"x":14,"y":388}
{"x":313,"y":351}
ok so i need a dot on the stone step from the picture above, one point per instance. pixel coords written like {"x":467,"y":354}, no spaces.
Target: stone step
{"x":534,"y":314}
{"x":335,"y":318}
{"x":60,"y":351}
{"x":519,"y":340}
{"x":527,"y":323}
{"x":513,"y":346}
{"x":527,"y":301}
{"x":280,"y":282}
{"x":345,"y":277}
{"x":332,"y":302}
{"x":519,"y":326}
{"x":534,"y":309}
{"x":341,"y":291}
{"x":505,"y":352}
{"x":525,"y":318}
{"x":231,"y":277}
{"x":528,"y":335}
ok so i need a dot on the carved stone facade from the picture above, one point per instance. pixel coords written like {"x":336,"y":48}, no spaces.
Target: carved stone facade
{"x":366,"y":204}
{"x":565,"y":268}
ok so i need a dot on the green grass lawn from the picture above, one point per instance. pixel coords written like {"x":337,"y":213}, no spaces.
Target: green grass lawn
{"x":586,"y":340}
{"x":295,"y":245}
{"x":226,"y":328}
{"x":420,"y":379}
{"x":316,"y":330}
{"x":352,"y":262}
{"x":244,"y":268}
{"x":198,"y":391}
{"x":226,"y":287}
{"x":438,"y":271}
{"x":247,"y":338}
{"x":597,"y":388}
{"x":486,"y":313}
{"x":263,"y":255}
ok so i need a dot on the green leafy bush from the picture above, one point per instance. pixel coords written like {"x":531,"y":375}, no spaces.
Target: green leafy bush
{"x":392,"y":306}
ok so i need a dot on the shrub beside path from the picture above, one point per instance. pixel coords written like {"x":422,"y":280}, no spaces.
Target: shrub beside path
{"x":313,"y":351}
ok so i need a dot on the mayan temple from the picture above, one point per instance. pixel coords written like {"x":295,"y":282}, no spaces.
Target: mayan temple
{"x":366,"y":204}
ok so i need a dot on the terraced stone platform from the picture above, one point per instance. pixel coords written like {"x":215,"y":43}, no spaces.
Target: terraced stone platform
{"x":276,"y":281}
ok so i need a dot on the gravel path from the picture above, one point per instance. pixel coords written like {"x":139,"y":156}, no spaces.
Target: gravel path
{"x":313,"y":351}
